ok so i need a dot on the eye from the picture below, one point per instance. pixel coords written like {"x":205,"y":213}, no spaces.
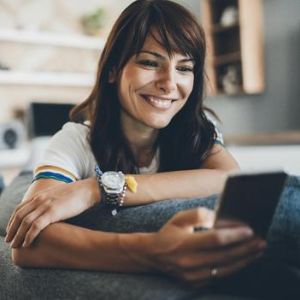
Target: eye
{"x":185,"y":69}
{"x":148,"y":63}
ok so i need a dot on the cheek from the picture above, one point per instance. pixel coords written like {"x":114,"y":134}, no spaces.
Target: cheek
{"x":136,"y":78}
{"x":187,"y":85}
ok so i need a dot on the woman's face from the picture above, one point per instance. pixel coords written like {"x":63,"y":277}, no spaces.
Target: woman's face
{"x":153,"y":87}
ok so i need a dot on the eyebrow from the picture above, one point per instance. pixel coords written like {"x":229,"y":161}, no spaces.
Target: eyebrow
{"x":158,"y":55}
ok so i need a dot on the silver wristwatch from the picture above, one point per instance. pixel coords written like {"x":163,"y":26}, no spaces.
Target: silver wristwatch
{"x":113,"y":188}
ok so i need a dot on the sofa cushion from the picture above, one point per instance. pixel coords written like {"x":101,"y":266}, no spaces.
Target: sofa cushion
{"x":17,"y":283}
{"x":48,"y":284}
{"x":11,"y":196}
{"x":1,"y":184}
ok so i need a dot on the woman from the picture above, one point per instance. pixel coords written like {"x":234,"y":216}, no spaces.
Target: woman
{"x":146,"y":119}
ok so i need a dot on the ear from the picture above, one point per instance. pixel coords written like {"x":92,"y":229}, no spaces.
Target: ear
{"x":112,"y":76}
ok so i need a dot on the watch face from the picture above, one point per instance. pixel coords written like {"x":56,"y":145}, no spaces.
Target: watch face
{"x":113,"y":181}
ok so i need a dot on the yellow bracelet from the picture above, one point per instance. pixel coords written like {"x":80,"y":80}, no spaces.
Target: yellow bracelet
{"x":131,"y":183}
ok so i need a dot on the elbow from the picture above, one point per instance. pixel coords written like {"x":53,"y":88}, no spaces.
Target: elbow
{"x":29,"y":257}
{"x":18,"y":257}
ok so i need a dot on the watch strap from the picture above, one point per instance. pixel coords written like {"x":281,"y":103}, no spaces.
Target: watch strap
{"x":110,"y":200}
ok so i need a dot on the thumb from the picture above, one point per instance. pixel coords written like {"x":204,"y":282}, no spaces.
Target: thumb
{"x":199,"y":217}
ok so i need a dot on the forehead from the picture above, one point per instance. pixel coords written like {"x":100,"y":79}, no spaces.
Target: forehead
{"x":153,"y":43}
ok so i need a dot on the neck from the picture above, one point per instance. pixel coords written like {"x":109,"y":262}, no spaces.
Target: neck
{"x":141,"y":140}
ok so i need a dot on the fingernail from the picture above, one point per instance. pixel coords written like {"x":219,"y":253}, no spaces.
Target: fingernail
{"x":248,"y":231}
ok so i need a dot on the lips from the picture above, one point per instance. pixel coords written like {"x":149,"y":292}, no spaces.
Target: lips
{"x":158,"y":102}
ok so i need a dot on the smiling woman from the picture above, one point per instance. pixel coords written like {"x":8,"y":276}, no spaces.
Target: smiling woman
{"x":146,"y":138}
{"x":154,"y":87}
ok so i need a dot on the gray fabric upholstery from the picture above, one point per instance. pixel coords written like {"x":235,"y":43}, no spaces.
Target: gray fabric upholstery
{"x":11,"y":196}
{"x":17,"y":283}
{"x":1,"y":184}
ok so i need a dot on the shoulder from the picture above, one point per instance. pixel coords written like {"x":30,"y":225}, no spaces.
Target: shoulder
{"x":71,"y":133}
{"x":77,"y":128}
{"x":69,"y":149}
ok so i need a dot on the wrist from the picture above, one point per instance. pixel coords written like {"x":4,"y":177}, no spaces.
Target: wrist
{"x":94,"y":190}
{"x":137,"y":248}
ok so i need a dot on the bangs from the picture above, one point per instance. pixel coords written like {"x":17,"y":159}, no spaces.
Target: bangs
{"x":175,"y":32}
{"x":175,"y":38}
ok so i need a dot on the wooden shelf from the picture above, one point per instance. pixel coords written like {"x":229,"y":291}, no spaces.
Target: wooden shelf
{"x":46,"y":78}
{"x":217,"y":28}
{"x":235,"y":53}
{"x":227,"y":58}
{"x":51,"y":39}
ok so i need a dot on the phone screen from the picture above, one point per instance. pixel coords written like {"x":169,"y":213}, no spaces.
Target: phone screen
{"x":252,"y":199}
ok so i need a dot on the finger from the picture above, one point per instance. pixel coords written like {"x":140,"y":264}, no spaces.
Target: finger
{"x":19,"y":207}
{"x":218,"y":238}
{"x":223,"y":223}
{"x":235,"y":253}
{"x":35,"y":229}
{"x":205,"y":274}
{"x":201,"y":217}
{"x":26,"y":225}
{"x":222,"y":256}
{"x":238,"y":265}
{"x":16,"y":220}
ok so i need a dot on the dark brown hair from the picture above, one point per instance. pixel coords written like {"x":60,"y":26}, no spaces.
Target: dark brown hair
{"x":187,"y":139}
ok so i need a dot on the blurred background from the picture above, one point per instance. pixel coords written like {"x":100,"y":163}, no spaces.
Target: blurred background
{"x":48,"y":57}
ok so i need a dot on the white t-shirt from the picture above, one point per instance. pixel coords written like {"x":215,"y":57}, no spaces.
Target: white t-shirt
{"x":69,"y":157}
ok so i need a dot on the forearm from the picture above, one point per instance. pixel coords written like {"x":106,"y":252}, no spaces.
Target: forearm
{"x":177,"y":184}
{"x":63,"y":245}
{"x":169,"y":185}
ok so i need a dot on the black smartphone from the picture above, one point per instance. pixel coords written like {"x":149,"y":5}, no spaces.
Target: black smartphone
{"x":251,"y":198}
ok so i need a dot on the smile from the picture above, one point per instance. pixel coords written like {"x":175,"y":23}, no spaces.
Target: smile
{"x":161,"y":103}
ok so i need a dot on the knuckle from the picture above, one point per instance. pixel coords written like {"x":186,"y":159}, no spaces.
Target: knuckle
{"x":48,"y":205}
{"x":27,"y":221}
{"x":218,"y":239}
{"x":37,"y":226}
{"x":18,"y":217}
{"x":183,"y":262}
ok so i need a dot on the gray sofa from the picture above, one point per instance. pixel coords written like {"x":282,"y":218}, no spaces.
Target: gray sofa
{"x":17,"y":283}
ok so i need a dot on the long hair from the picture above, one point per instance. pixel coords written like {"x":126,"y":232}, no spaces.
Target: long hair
{"x":188,"y":138}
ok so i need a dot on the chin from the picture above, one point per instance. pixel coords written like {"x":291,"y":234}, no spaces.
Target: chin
{"x":158,"y":124}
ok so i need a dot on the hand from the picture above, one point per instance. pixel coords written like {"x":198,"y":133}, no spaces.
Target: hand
{"x":191,"y":256}
{"x":45,"y":207}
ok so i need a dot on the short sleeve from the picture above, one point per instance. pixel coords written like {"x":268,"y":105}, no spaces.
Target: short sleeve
{"x":67,"y":156}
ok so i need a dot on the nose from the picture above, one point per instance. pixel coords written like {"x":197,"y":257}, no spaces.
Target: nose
{"x":167,"y":80}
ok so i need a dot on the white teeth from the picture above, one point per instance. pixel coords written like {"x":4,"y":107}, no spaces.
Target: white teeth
{"x":159,"y":103}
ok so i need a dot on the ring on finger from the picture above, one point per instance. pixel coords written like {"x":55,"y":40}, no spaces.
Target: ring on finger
{"x":214,"y":273}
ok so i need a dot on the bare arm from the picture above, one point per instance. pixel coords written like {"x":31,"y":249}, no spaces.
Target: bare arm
{"x":175,"y":250}
{"x":80,"y":248}
{"x":203,"y":182}
{"x":48,"y":201}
